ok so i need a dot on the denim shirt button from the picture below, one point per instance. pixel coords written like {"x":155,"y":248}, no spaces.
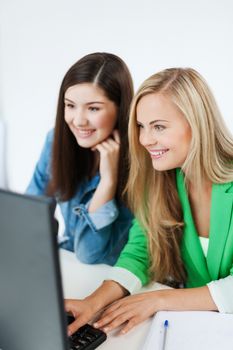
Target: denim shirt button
{"x":112,"y":214}
{"x":78,"y":211}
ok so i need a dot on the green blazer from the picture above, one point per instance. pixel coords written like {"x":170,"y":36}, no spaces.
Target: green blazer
{"x":219,"y":260}
{"x":200,"y":270}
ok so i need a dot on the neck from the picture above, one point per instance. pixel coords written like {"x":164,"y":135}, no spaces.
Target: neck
{"x":96,"y":163}
{"x":206,"y":186}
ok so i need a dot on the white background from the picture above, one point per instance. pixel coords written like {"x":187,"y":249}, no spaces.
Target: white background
{"x":40,"y":40}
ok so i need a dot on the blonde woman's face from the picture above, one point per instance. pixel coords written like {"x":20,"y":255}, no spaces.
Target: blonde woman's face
{"x":163,"y":131}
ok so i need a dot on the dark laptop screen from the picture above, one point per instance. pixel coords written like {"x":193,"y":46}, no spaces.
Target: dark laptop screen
{"x":31,"y":301}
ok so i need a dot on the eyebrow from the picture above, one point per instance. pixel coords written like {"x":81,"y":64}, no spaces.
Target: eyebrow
{"x":88,"y":103}
{"x":155,"y":121}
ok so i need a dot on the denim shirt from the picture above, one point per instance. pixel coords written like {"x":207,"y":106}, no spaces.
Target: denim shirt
{"x":95,"y":237}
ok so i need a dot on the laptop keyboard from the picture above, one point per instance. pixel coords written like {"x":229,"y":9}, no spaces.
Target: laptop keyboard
{"x":86,"y":338}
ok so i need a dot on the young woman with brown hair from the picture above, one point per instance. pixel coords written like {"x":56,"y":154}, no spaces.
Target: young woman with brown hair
{"x":84,"y":162}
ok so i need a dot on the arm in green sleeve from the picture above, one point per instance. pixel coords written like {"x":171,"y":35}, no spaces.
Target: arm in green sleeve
{"x":135,"y":255}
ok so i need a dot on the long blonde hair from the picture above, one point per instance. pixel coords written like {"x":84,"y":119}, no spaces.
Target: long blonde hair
{"x":152,"y":194}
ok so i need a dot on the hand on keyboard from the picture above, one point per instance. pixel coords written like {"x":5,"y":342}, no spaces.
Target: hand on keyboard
{"x":86,"y":337}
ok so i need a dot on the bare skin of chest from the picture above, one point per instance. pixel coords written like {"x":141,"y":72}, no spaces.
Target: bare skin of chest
{"x":200,"y":205}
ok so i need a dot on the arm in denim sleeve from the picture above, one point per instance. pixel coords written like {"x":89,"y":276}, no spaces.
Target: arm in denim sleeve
{"x":105,"y":215}
{"x":135,"y":255}
{"x":100,"y":236}
{"x":40,"y":177}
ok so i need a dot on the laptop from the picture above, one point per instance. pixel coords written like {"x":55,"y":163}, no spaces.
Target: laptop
{"x":32,"y":313}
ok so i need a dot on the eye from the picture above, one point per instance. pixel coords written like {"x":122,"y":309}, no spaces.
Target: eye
{"x":159,"y":127}
{"x":69,"y":105}
{"x":139,"y":126}
{"x":94,"y":109}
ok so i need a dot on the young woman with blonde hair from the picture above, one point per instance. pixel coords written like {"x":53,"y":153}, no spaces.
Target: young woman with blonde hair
{"x":181,"y":192}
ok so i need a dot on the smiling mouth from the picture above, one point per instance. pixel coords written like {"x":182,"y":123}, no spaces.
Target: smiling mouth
{"x":156,"y":154}
{"x":83,"y":133}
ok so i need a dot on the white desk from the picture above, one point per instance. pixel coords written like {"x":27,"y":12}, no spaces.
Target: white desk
{"x":79,"y":280}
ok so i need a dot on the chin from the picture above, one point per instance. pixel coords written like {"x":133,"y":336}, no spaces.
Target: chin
{"x":161,"y":167}
{"x":84,"y":144}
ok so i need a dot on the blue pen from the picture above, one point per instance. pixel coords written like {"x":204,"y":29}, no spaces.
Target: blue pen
{"x":165,"y":327}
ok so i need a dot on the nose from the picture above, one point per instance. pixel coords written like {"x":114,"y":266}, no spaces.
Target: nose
{"x":147,"y":138}
{"x":79,"y":118}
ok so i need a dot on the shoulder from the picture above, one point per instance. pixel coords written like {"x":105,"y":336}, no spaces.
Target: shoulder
{"x":229,"y":187}
{"x":47,"y":147}
{"x":50,"y":136}
{"x":226,"y":187}
{"x":48,"y":141}
{"x":137,"y":230}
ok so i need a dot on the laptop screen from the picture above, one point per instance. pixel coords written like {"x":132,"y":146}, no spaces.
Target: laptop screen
{"x":31,"y":300}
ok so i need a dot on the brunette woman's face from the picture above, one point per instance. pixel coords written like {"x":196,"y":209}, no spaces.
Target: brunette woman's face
{"x":90,"y":115}
{"x":163,"y":131}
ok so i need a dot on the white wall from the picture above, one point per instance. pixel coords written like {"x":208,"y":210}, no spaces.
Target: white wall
{"x":39,"y":40}
{"x":3,"y":177}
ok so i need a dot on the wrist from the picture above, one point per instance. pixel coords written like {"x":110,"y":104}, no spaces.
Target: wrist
{"x":106,"y":294}
{"x":104,"y":192}
{"x":107,"y":183}
{"x":96,"y":303}
{"x":161,"y":300}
